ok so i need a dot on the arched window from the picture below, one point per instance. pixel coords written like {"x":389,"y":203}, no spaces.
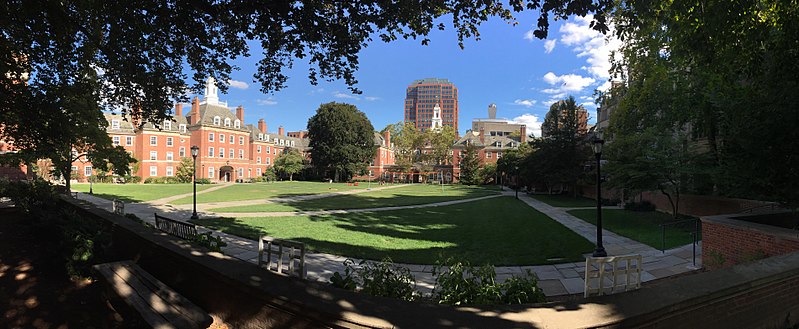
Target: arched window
{"x":237,"y":124}
{"x":227,"y":122}
{"x":217,"y":120}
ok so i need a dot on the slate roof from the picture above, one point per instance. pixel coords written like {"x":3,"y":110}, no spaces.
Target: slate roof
{"x":489,"y":142}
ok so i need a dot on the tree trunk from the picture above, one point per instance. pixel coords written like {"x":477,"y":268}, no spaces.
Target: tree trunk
{"x":291,"y":177}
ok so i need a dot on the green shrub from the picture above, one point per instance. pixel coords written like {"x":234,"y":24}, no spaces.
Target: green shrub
{"x":162,"y":180}
{"x":203,"y":181}
{"x":132,"y":179}
{"x":382,"y":279}
{"x":208,"y":240}
{"x":460,"y":283}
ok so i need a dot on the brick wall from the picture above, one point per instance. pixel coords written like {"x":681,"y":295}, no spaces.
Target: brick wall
{"x":727,"y":241}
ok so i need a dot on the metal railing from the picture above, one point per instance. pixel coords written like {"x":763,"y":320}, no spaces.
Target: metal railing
{"x":694,"y":235}
{"x":172,"y":227}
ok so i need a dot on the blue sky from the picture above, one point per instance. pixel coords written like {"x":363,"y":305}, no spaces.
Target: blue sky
{"x":509,"y":67}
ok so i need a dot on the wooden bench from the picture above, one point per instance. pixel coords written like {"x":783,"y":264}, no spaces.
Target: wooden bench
{"x":295,"y":252}
{"x":158,"y":305}
{"x":172,"y":227}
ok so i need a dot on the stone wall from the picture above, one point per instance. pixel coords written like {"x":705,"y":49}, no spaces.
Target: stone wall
{"x":727,"y":241}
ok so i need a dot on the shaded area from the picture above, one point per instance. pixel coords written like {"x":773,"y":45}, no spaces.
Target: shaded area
{"x":255,"y":191}
{"x":789,"y":220}
{"x":401,"y":196}
{"x":564,"y":201}
{"x":500,"y":231}
{"x":640,"y":226}
{"x":35,"y":290}
{"x":138,"y":192}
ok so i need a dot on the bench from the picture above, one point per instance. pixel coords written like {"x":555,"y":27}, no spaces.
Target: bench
{"x":158,"y":305}
{"x":292,"y":251}
{"x":605,"y":275}
{"x":175,"y":228}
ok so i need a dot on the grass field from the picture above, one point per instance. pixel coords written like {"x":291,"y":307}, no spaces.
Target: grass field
{"x":643,"y":227}
{"x":137,"y":192}
{"x":564,"y":201}
{"x":500,"y":231}
{"x":399,"y":196}
{"x":255,"y":191}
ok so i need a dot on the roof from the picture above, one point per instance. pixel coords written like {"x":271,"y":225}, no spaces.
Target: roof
{"x":125,"y":127}
{"x":489,"y":142}
{"x":431,"y":81}
{"x":209,"y":111}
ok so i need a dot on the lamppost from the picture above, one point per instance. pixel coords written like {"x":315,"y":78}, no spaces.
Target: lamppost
{"x":516,"y":185}
{"x":596,"y":145}
{"x":195,"y":150}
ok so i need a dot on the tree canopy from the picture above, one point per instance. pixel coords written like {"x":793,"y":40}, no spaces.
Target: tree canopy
{"x":289,"y":163}
{"x":342,"y":139}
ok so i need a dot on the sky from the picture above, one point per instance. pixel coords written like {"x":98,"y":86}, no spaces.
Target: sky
{"x":508,"y":66}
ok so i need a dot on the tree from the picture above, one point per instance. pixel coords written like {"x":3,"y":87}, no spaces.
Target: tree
{"x":440,"y":142}
{"x":289,"y":163}
{"x":342,"y":139}
{"x":185,"y":173}
{"x":408,"y":142}
{"x":513,"y":163}
{"x":470,"y":166}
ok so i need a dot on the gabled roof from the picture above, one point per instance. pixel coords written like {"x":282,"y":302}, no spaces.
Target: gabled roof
{"x":489,"y":142}
{"x":125,"y":127}
{"x":209,"y":111}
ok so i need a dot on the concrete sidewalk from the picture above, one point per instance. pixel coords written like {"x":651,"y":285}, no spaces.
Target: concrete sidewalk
{"x":558,"y":279}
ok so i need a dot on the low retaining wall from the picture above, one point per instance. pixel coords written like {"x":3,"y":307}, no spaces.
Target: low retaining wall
{"x":763,"y":294}
{"x":727,"y":241}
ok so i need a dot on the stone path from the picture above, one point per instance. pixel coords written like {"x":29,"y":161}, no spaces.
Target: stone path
{"x":559,"y":279}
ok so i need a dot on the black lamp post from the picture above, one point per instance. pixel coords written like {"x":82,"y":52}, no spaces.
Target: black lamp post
{"x":516,"y":172}
{"x":596,"y":145}
{"x":194,"y":152}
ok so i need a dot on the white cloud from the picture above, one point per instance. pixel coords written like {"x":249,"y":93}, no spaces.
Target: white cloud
{"x":238,"y":84}
{"x":532,"y":122}
{"x":591,"y":44}
{"x":549,"y":45}
{"x":567,"y":83}
{"x":529,"y":35}
{"x":588,"y":104}
{"x":317,"y":91}
{"x":525,"y":102}
{"x":267,"y":102}
{"x":371,"y":98}
{"x":338,"y":94}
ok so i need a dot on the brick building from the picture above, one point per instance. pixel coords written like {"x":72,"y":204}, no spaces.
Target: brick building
{"x":491,"y":136}
{"x":423,"y":96}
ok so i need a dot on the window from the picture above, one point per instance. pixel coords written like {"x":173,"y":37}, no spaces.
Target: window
{"x":488,"y":154}
{"x":170,"y":156}
{"x":232,"y":153}
{"x":153,"y":155}
{"x":221,"y":152}
{"x":241,"y":140}
{"x":237,"y":124}
{"x":169,"y":141}
{"x":87,"y":171}
{"x":292,"y":143}
{"x":210,"y":172}
{"x":114,"y":124}
{"x":260,"y":137}
{"x":241,"y":172}
{"x":258,"y":149}
{"x":232,"y":139}
{"x":182,"y":152}
{"x":258,"y":160}
{"x":167,"y":125}
{"x":282,"y":142}
{"x":221,"y":138}
{"x":268,"y":149}
{"x":210,"y":152}
{"x":499,"y":155}
{"x":241,"y":154}
{"x":182,"y":128}
{"x":268,"y":160}
{"x":227,"y":122}
{"x":115,"y":139}
{"x":217,"y":120}
{"x":258,"y":171}
{"x":128,"y":140}
{"x":169,"y":172}
{"x":153,"y":171}
{"x":210,"y":137}
{"x":153,"y":140}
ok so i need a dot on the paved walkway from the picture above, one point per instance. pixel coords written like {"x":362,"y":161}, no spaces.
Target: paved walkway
{"x":559,"y":279}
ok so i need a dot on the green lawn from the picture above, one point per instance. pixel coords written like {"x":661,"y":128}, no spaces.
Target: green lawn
{"x":137,"y":192}
{"x":500,"y":231}
{"x":399,"y":196}
{"x":643,"y":227}
{"x":255,"y":191}
{"x":564,"y":201}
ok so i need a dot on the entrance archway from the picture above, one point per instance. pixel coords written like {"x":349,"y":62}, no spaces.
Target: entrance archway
{"x":225,"y":173}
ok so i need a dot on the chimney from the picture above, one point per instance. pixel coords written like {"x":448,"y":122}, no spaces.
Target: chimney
{"x":280,"y":131}
{"x":523,"y":132}
{"x":240,"y":113}
{"x":195,"y":110}
{"x":482,"y":136}
{"x":387,"y":138}
{"x":262,"y":126}
{"x":178,"y":110}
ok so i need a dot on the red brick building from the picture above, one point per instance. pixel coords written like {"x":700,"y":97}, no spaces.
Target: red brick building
{"x":421,"y":98}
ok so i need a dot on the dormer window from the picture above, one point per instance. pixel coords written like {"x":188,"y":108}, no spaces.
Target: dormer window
{"x":114,"y":124}
{"x":182,"y":128}
{"x":292,"y":143}
{"x":227,"y":122}
{"x":167,"y":125}
{"x":260,"y":137}
{"x":217,"y":121}
{"x":237,"y":124}
{"x":498,"y":144}
{"x":511,"y":144}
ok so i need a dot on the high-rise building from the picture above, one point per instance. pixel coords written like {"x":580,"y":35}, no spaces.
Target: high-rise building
{"x":423,"y":96}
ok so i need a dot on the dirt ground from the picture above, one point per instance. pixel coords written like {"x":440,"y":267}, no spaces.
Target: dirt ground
{"x":36,"y":292}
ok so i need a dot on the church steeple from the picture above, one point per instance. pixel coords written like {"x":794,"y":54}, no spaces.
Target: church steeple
{"x":211,"y":96}
{"x":436,"y":123}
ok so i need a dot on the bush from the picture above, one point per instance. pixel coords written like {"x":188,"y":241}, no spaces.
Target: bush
{"x":208,"y":240}
{"x":460,"y":283}
{"x":132,"y":179}
{"x":382,"y":279}
{"x":162,"y":180}
{"x":203,"y":181}
{"x":639,"y":206}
